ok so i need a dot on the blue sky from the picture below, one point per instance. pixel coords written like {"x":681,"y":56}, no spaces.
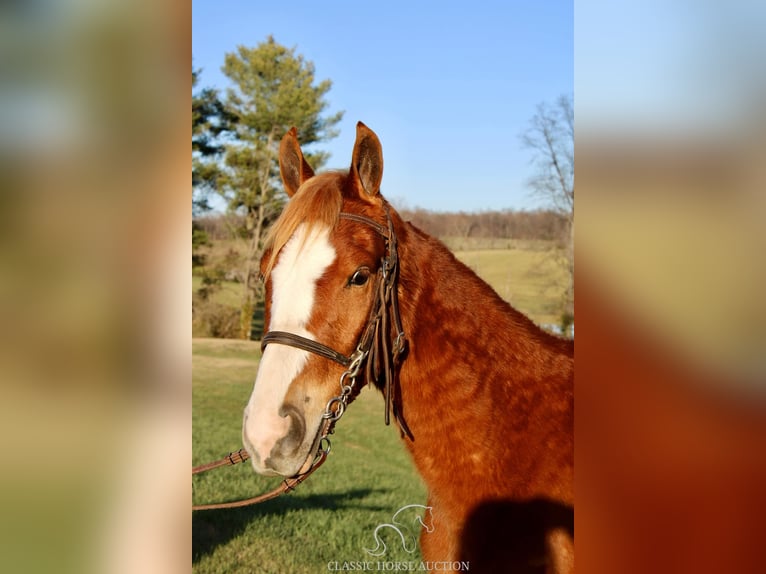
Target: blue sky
{"x":447,"y":86}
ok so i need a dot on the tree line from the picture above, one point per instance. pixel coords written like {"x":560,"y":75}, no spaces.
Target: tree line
{"x":540,"y":224}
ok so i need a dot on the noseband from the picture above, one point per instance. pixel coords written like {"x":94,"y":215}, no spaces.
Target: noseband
{"x":375,"y":352}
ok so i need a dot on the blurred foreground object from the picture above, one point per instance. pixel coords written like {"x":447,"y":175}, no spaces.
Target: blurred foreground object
{"x":671,"y":361}
{"x":676,"y":228}
{"x":94,"y":349}
{"x":671,"y":350}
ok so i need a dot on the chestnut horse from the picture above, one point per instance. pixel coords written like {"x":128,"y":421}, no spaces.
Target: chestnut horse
{"x":483,"y":397}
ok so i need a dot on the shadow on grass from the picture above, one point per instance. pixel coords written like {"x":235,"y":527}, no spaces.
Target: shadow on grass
{"x":212,"y":528}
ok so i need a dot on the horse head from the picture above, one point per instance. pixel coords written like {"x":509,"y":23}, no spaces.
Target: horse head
{"x":319,"y":271}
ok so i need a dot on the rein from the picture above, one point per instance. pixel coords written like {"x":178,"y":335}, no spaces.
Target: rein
{"x":374,"y":352}
{"x":240,"y":456}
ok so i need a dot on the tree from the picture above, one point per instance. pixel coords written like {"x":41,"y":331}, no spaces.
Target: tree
{"x":274,"y":89}
{"x":550,"y":136}
{"x":209,"y":121}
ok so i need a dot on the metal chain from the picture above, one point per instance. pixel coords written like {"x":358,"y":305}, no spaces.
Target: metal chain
{"x":336,"y":406}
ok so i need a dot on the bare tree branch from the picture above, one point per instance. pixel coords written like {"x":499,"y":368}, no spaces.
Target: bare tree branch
{"x":550,"y":137}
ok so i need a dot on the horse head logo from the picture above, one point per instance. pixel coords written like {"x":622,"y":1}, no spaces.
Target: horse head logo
{"x":405,"y":528}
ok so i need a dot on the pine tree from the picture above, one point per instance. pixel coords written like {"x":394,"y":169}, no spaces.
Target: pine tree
{"x":209,"y":121}
{"x":274,"y":89}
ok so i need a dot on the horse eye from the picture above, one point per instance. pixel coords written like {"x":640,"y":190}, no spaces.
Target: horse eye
{"x":359,"y":277}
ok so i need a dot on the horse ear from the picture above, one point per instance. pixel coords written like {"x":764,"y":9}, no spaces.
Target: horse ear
{"x":367,"y":161}
{"x":292,"y":165}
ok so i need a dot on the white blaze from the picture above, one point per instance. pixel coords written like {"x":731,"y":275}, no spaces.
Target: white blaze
{"x":303,"y":260}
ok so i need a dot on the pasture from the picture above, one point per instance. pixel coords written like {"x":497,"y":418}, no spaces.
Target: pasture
{"x":532,"y":280}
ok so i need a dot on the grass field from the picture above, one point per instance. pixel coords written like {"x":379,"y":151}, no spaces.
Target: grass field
{"x":530,"y":280}
{"x":331,"y":517}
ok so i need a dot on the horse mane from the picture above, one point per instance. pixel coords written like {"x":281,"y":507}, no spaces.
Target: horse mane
{"x":316,"y":204}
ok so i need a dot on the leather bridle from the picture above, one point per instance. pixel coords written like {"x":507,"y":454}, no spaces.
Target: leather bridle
{"x":375,"y":352}
{"x":374,"y":349}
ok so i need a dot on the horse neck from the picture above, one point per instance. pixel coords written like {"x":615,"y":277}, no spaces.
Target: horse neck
{"x":470,"y":357}
{"x":451,"y":316}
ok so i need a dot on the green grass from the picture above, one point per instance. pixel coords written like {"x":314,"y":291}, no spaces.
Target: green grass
{"x":531,"y":280}
{"x":229,"y":294}
{"x":331,"y":517}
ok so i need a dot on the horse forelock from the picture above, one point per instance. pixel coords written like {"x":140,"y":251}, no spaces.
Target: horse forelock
{"x":316,"y":204}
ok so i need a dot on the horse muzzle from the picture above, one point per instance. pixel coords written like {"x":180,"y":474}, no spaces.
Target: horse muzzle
{"x":279,"y":446}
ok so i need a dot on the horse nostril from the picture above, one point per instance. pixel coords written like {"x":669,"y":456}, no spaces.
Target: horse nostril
{"x":295,"y":433}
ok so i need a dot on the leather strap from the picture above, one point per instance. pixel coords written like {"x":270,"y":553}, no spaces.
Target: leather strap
{"x":382,"y":230}
{"x":293,"y":340}
{"x":381,"y":356}
{"x":229,"y":460}
{"x":325,"y":429}
{"x":287,"y":485}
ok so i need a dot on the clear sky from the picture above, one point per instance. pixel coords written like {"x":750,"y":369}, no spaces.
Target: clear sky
{"x":447,"y":86}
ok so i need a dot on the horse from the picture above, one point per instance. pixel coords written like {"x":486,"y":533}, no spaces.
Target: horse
{"x":482,"y":396}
